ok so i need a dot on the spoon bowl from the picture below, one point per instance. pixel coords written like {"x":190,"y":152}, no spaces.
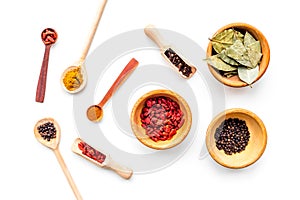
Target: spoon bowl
{"x":79,"y":80}
{"x":94,"y":113}
{"x":53,"y":143}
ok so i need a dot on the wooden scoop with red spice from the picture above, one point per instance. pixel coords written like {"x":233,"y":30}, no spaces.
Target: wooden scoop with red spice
{"x":91,"y":154}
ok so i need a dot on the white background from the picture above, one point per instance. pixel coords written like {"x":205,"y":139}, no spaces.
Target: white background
{"x":30,"y":171}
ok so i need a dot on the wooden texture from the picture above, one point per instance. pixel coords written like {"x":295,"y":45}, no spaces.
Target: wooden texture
{"x":81,"y":62}
{"x":235,"y":81}
{"x":93,"y":30}
{"x":95,"y":112}
{"x":54,"y":145}
{"x":108,"y":163}
{"x":156,"y":37}
{"x":256,"y":145}
{"x":140,"y":132}
{"x":41,"y":86}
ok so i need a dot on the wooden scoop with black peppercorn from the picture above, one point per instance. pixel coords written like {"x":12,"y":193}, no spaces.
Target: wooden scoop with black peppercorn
{"x":180,"y":64}
{"x":47,"y":132}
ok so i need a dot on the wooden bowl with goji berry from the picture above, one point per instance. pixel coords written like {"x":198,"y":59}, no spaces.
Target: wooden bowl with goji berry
{"x":161,"y":119}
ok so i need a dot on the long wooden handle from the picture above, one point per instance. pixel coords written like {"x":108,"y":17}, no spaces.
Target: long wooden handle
{"x":41,"y":86}
{"x":93,"y":31}
{"x":129,"y":68}
{"x":67,"y":174}
{"x":155,"y":36}
{"x":123,"y":171}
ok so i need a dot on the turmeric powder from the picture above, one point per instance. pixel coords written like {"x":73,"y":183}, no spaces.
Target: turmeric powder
{"x":73,"y":78}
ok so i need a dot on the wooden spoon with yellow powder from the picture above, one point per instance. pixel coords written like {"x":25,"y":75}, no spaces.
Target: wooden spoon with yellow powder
{"x":74,"y":78}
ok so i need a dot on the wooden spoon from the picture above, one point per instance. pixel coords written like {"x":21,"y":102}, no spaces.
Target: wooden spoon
{"x":108,"y":162}
{"x":95,"y":112}
{"x":49,"y":37}
{"x":185,"y":69}
{"x":53,"y":144}
{"x":80,"y":66}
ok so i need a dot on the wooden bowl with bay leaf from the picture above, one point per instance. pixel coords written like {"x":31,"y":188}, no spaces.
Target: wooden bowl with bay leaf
{"x":238,"y":55}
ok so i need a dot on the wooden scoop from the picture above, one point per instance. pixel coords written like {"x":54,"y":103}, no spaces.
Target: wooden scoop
{"x":103,"y":161}
{"x":177,"y":62}
{"x":53,"y":144}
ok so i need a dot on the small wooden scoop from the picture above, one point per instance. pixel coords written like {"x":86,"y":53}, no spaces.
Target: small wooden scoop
{"x":53,"y":144}
{"x":99,"y":158}
{"x":178,"y":63}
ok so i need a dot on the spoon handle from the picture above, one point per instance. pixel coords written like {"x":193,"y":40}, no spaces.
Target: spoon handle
{"x":122,"y":171}
{"x":152,"y":32}
{"x":129,"y":68}
{"x":41,"y":87}
{"x":67,"y":174}
{"x":93,"y":31}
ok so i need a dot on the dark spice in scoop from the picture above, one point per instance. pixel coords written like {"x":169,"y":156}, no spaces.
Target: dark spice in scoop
{"x":232,"y":136}
{"x":47,"y":131}
{"x":184,"y":68}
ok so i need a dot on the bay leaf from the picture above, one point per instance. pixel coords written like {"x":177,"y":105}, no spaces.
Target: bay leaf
{"x":238,"y":52}
{"x":248,"y":75}
{"x":227,"y":59}
{"x":248,"y":39}
{"x":230,"y":74}
{"x":254,"y":56}
{"x":238,"y":36}
{"x":255,"y":46}
{"x":222,"y":40}
{"x":219,"y":64}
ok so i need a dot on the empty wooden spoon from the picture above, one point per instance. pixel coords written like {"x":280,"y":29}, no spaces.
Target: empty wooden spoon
{"x":95,"y":112}
{"x":47,"y":132}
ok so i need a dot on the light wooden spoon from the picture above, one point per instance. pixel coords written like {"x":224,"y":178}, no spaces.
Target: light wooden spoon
{"x":106,"y":162}
{"x":54,"y":144}
{"x":81,"y":63}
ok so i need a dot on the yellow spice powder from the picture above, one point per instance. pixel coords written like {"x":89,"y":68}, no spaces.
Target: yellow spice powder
{"x":73,"y":79}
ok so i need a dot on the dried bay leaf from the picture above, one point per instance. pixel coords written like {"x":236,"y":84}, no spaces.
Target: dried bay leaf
{"x":238,"y":52}
{"x":219,"y":64}
{"x":255,"y":46}
{"x":238,"y":36}
{"x":254,"y":56}
{"x":248,"y":39}
{"x":227,"y":59}
{"x":248,"y":75}
{"x":230,"y":74}
{"x":222,"y":40}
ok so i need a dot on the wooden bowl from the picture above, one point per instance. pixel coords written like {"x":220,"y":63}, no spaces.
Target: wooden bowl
{"x":140,"y":132}
{"x":256,"y":145}
{"x":235,"y":81}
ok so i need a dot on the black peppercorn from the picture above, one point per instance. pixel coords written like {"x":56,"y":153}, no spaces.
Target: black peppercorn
{"x":232,"y":136}
{"x":47,"y":131}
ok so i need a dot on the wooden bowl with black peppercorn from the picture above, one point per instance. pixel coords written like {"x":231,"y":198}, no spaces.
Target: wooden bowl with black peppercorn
{"x":161,"y":119}
{"x":233,"y":79}
{"x":236,"y":138}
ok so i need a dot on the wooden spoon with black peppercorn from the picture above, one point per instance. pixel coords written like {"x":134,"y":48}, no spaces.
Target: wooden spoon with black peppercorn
{"x":47,"y":132}
{"x":180,"y":64}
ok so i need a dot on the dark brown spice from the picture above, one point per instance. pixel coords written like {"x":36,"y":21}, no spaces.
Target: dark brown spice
{"x":232,"y":136}
{"x":47,"y":131}
{"x":184,"y":68}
